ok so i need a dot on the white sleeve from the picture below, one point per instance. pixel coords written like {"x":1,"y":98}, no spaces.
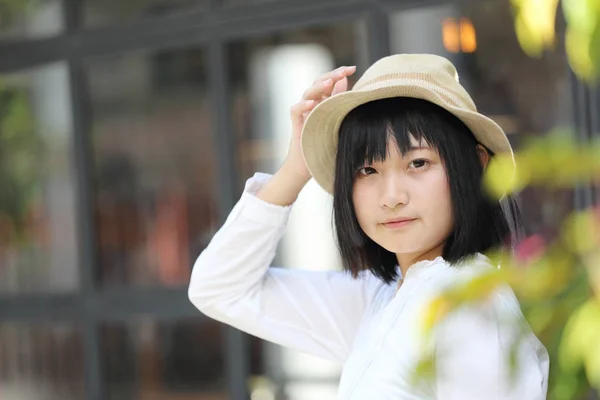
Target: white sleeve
{"x":317,"y":312}
{"x":473,"y":349}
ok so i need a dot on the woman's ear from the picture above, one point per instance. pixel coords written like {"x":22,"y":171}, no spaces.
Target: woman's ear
{"x":484,"y":156}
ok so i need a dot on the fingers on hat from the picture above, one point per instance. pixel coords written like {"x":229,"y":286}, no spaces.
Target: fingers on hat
{"x":318,"y":90}
{"x":336,"y":74}
{"x":300,"y":108}
{"x":323,"y":87}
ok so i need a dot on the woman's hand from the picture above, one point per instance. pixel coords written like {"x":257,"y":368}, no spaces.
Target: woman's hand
{"x":327,"y":85}
{"x":288,"y":181}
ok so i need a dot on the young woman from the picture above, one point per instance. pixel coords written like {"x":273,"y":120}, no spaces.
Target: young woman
{"x":403,"y":154}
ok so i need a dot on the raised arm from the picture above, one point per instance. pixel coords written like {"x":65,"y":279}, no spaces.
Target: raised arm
{"x":315,"y":312}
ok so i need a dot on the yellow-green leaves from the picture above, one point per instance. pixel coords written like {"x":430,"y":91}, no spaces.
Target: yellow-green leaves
{"x":552,"y":279}
{"x":581,"y":232}
{"x":535,"y":29}
{"x":580,"y":346}
{"x":583,"y":36}
{"x":555,"y":161}
{"x":534,"y":25}
{"x":502,"y":178}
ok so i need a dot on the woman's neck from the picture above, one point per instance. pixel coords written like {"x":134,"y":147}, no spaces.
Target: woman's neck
{"x":407,"y":260}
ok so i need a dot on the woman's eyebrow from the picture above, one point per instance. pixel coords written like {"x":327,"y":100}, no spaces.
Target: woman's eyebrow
{"x":418,"y":147}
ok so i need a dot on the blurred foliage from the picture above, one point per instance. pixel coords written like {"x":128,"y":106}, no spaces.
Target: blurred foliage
{"x":556,"y":161}
{"x":558,"y":282}
{"x":10,"y":10}
{"x":21,"y":151}
{"x":535,"y":29}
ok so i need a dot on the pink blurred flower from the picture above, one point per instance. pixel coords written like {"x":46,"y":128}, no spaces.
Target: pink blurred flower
{"x":530,"y":249}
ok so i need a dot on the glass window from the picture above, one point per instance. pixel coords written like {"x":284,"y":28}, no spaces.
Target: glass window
{"x":30,"y":19}
{"x":526,"y":96}
{"x":154,"y":162}
{"x":38,"y":213}
{"x":241,"y":3}
{"x":106,"y":12}
{"x":152,"y":360}
{"x":41,"y":361}
{"x":267,"y":76}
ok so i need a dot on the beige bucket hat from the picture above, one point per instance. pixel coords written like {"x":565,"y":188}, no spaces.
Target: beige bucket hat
{"x":422,"y":76}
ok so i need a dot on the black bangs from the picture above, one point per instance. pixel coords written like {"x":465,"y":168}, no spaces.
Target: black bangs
{"x":409,"y":122}
{"x":480,"y":224}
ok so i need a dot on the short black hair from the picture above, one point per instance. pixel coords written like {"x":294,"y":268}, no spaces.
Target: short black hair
{"x":480,"y":223}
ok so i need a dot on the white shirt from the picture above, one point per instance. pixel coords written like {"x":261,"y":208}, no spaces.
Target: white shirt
{"x":364,"y":323}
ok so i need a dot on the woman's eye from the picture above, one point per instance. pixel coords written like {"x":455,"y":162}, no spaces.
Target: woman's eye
{"x":367,"y":171}
{"x":418,"y":164}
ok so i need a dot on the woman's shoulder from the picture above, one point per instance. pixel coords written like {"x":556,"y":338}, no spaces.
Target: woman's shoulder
{"x":466,"y":270}
{"x":464,"y":276}
{"x":377,"y":292}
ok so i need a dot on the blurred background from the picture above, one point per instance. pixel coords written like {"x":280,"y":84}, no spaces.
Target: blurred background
{"x":127,"y":130}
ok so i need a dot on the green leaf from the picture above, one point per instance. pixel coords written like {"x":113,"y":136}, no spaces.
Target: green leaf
{"x":582,"y":14}
{"x":594,"y":49}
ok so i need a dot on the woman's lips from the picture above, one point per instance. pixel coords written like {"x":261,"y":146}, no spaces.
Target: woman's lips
{"x":397,"y":224}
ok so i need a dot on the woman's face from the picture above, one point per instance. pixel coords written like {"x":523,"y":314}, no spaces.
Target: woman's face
{"x":403,"y":203}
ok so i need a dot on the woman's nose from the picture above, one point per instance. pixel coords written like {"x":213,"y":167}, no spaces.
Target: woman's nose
{"x":394,"y":192}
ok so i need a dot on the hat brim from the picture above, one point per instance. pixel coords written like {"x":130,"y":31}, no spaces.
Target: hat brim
{"x":321,"y":129}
